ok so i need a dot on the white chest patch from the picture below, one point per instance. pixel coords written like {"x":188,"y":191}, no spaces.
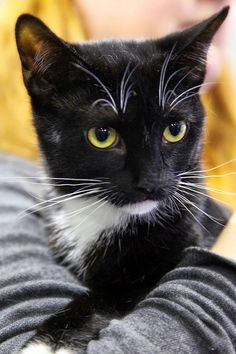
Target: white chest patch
{"x":83,"y":220}
{"x":41,"y":348}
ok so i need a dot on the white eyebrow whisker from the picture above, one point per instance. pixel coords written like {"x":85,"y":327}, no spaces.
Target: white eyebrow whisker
{"x":165,"y":94}
{"x":177,"y":99}
{"x":122,"y":85}
{"x":169,"y":94}
{"x":125,"y":94}
{"x":112,"y":101}
{"x":163,"y":74}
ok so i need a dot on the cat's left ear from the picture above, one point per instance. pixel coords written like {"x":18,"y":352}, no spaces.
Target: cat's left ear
{"x":190,"y":47}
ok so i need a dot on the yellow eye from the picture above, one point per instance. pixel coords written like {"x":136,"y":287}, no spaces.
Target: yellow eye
{"x":102,"y":138}
{"x":175,"y":132}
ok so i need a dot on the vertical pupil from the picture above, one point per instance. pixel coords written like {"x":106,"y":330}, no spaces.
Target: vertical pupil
{"x":102,"y":134}
{"x":175,"y":128}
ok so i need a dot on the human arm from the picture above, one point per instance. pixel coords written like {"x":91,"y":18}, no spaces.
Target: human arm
{"x":32,"y":286}
{"x":191,"y":309}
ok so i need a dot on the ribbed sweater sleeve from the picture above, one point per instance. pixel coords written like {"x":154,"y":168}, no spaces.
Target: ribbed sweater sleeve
{"x":32,"y":286}
{"x":191,"y":311}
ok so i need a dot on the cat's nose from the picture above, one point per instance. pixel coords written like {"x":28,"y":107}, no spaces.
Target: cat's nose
{"x":146,"y":187}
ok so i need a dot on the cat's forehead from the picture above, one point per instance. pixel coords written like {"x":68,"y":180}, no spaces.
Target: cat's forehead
{"x":118,"y":53}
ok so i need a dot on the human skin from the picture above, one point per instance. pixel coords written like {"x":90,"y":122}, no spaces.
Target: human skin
{"x":226,"y":243}
{"x":153,"y":19}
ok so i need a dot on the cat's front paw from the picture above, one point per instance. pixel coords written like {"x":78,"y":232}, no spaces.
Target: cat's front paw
{"x":42,"y":348}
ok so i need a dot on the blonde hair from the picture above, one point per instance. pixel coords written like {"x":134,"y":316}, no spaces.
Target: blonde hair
{"x":16,"y":131}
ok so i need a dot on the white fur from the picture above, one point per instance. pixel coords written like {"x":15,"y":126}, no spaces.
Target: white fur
{"x":64,"y":351}
{"x":41,"y":348}
{"x":82,"y":230}
{"x":37,"y":348}
{"x":94,"y":217}
{"x":140,"y":208}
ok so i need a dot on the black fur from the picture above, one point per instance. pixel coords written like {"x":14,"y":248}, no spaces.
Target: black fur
{"x":141,"y":167}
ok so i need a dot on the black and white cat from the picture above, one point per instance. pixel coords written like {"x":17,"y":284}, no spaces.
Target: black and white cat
{"x":120,"y":128}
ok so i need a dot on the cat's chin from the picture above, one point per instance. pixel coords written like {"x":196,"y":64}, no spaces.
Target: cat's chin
{"x":140,"y":208}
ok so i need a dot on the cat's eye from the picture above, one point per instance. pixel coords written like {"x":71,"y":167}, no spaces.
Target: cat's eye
{"x":175,"y":132}
{"x":102,"y":137}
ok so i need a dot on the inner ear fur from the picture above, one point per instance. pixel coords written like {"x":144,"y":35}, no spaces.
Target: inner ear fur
{"x":38,"y":47}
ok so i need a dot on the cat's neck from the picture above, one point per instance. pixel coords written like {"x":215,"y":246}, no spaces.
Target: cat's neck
{"x":103,"y":241}
{"x":81,"y":224}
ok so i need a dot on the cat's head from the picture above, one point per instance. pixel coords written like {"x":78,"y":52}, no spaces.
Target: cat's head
{"x":122,"y":118}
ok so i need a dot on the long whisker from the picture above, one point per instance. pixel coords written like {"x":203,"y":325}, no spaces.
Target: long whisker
{"x":202,"y":211}
{"x":76,"y":212}
{"x":209,"y":176}
{"x":194,"y":191}
{"x":177,"y":197}
{"x":100,"y":200}
{"x":189,"y":90}
{"x":122,"y":86}
{"x":209,"y":169}
{"x":205,"y":187}
{"x":53,"y":178}
{"x":59,"y":184}
{"x":126,"y":94}
{"x":104,"y":101}
{"x":55,"y":201}
{"x":162,"y":75}
{"x":178,"y":83}
{"x":166,"y":85}
{"x":113,"y":104}
{"x":183,"y":99}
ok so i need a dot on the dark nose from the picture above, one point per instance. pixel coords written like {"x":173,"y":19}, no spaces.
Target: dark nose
{"x":147,"y":187}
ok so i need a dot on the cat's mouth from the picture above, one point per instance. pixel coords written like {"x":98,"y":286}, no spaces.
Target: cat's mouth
{"x":140,"y":208}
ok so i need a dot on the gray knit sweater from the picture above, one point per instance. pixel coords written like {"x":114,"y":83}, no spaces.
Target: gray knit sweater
{"x":192,"y":309}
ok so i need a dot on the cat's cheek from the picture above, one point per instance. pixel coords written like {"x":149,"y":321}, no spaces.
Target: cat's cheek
{"x":41,"y":348}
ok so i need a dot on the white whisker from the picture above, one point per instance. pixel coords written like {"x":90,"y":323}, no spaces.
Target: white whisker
{"x":166,"y":86}
{"x":53,"y":178}
{"x":209,"y":169}
{"x":100,"y":200}
{"x":178,"y":83}
{"x":184,"y":189}
{"x":125,"y":94}
{"x":202,"y":211}
{"x":162,"y":75}
{"x":52,"y":202}
{"x":177,"y":197}
{"x":112,"y":102}
{"x":206,"y":187}
{"x":183,"y":99}
{"x":189,"y":90}
{"x":210,"y":176}
{"x":76,"y":212}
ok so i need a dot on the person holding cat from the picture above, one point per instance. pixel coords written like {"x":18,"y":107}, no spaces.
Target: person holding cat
{"x":76,"y":20}
{"x":174,"y":307}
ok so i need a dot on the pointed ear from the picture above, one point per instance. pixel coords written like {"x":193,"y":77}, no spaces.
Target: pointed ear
{"x":40,"y":50}
{"x":190,"y":47}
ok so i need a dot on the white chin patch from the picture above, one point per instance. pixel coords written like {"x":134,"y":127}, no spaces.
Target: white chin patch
{"x":140,"y":208}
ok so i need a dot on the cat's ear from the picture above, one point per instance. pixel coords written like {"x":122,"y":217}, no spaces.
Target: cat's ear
{"x":41,"y":52}
{"x":190,"y":47}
